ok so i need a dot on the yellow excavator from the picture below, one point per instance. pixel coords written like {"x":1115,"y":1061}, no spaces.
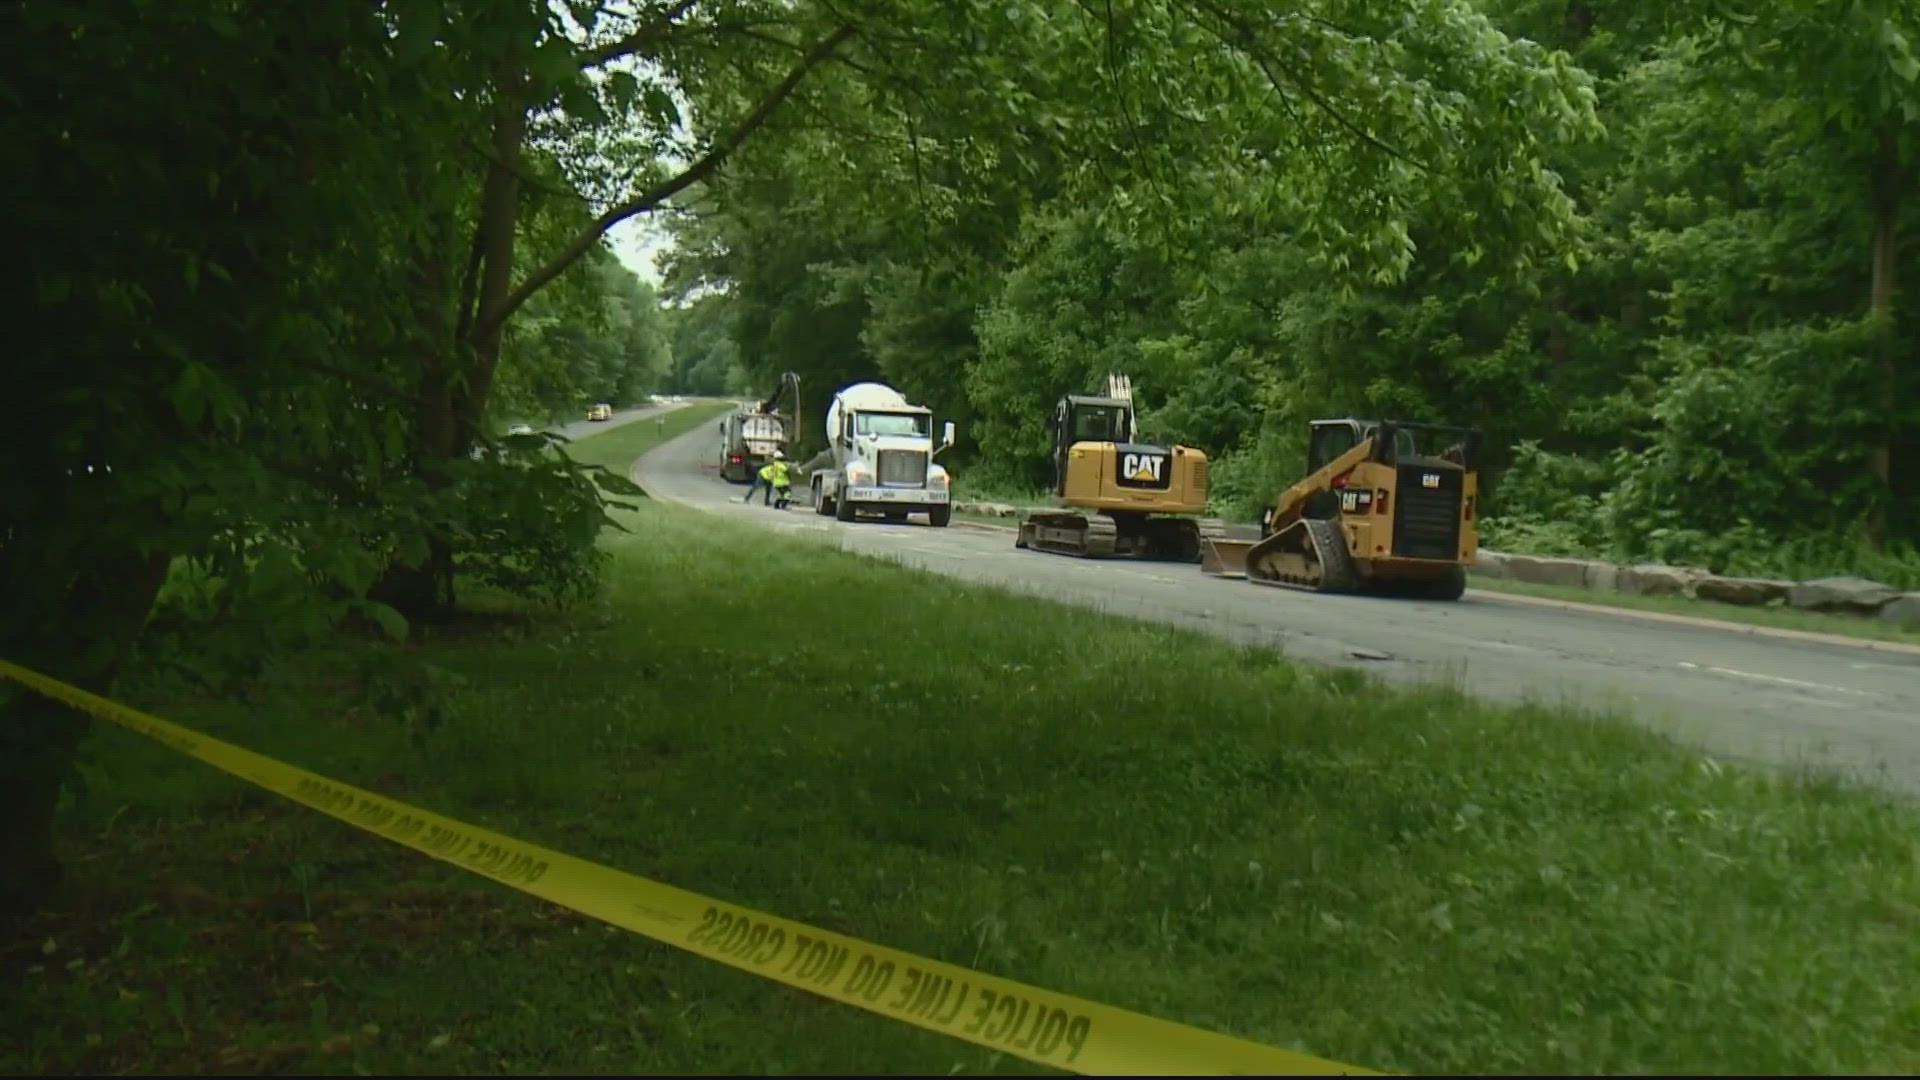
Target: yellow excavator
{"x":1118,"y":497}
{"x":1387,"y":508}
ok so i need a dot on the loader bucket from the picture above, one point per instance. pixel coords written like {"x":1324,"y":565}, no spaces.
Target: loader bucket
{"x":1221,"y":557}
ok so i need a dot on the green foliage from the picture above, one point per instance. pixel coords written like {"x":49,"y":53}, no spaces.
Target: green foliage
{"x":1680,"y":307}
{"x":598,"y":334}
{"x":706,"y":358}
{"x":532,"y":525}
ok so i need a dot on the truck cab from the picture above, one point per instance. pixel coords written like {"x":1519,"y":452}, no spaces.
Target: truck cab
{"x":882,"y":451}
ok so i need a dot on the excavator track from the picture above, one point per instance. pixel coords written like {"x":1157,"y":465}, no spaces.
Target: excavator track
{"x":1101,"y":536}
{"x":1310,"y":555}
{"x":1086,"y":536}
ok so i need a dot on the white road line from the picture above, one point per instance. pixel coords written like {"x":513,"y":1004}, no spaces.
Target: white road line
{"x":1775,"y":679}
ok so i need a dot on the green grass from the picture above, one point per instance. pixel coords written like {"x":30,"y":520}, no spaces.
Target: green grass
{"x":969,"y":489}
{"x":616,"y":448}
{"x":1407,"y":881}
{"x":1780,"y":618}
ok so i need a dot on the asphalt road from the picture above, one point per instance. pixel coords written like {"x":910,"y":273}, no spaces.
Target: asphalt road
{"x":1736,"y":695}
{"x":580,"y":429}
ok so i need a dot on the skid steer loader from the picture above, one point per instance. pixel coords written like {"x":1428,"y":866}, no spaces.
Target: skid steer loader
{"x":1119,"y":497}
{"x":1387,"y":509}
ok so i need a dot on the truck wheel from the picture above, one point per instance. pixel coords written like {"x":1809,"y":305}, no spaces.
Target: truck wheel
{"x":842,"y":510}
{"x":938,"y":516}
{"x":820,"y":504}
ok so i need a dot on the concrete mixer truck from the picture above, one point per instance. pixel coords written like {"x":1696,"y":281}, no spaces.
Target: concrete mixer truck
{"x":879,"y":458}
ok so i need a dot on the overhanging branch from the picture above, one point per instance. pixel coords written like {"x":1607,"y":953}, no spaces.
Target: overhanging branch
{"x":1250,"y":45}
{"x":639,"y":39}
{"x":692,"y":174}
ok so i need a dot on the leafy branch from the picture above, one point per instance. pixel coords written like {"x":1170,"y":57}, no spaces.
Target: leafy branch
{"x":700,"y":170}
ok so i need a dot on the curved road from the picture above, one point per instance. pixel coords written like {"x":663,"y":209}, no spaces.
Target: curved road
{"x":580,"y":429}
{"x":1737,"y":694}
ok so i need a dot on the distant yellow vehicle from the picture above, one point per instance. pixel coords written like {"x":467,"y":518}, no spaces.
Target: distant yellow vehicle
{"x":600,"y":412}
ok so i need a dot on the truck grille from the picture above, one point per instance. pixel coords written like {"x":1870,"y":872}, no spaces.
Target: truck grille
{"x":1426,"y":520}
{"x":903,"y":468}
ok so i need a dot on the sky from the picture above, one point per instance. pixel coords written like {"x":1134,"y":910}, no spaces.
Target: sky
{"x":635,"y":243}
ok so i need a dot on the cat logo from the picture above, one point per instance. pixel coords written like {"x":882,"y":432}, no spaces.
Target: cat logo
{"x":1143,"y":467}
{"x":1430,"y":480}
{"x":1143,"y":470}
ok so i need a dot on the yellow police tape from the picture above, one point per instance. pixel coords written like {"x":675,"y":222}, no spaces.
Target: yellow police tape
{"x":1041,"y":1026}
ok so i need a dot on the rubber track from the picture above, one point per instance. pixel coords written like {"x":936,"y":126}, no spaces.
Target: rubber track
{"x":1337,"y":573}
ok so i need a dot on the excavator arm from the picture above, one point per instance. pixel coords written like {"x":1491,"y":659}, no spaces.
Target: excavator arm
{"x":789,"y":385}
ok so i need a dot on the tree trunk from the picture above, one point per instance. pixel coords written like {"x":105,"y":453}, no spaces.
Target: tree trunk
{"x":499,"y":220}
{"x":84,"y":643}
{"x":461,"y":355}
{"x":1889,"y":180}
{"x":424,"y":591}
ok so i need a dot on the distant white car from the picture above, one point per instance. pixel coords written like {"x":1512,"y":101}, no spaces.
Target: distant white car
{"x":520,"y":429}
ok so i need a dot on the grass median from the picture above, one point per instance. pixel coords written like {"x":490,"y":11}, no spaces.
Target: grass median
{"x":1407,"y":881}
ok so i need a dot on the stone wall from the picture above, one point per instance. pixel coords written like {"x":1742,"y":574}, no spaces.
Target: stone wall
{"x":1833,"y":595}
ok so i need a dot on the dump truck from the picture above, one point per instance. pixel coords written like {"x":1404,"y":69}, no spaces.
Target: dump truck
{"x":1118,"y":496}
{"x":1387,"y":508}
{"x":879,"y":458}
{"x":750,"y":435}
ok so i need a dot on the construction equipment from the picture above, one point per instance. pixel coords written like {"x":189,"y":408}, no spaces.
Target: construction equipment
{"x":1380,"y":512}
{"x":749,"y":436}
{"x":1118,"y":497}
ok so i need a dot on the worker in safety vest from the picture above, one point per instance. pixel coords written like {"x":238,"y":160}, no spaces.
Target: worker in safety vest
{"x":781,"y":483}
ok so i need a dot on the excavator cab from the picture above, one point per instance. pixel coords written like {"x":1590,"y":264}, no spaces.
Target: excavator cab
{"x":1084,"y":419}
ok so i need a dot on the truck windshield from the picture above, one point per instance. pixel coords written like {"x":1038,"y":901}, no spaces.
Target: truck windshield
{"x":894,"y":424}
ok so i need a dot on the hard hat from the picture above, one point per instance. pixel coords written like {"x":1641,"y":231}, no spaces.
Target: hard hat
{"x":779,"y":454}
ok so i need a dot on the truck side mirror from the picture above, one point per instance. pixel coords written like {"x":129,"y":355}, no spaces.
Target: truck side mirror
{"x":946,"y":434}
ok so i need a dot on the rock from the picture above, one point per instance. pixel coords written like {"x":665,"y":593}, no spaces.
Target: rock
{"x":1845,"y":593}
{"x":1533,"y":570}
{"x":1903,"y":610}
{"x":1652,"y":579}
{"x":1751,"y":592}
{"x":1603,"y":577}
{"x":997,"y":510}
{"x":1492,"y":564}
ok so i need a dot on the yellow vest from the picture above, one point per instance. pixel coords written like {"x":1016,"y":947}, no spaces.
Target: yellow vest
{"x":779,"y":473}
{"x":766,"y":471}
